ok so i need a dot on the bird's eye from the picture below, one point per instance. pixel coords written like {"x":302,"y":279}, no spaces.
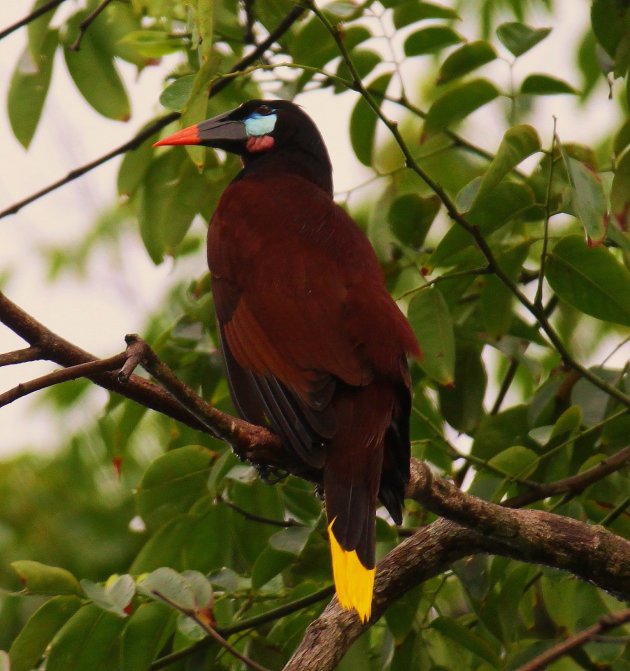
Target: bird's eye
{"x":264,"y":110}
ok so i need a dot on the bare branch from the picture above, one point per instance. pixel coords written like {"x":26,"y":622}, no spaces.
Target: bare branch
{"x":30,"y":17}
{"x":605,"y":623}
{"x":87,"y":22}
{"x":63,"y":375}
{"x":20,"y":356}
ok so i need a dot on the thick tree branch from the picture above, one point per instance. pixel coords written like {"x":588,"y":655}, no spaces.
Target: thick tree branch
{"x":606,"y":623}
{"x":589,"y":552}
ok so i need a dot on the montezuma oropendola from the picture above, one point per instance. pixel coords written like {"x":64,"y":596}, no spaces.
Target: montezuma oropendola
{"x":314,"y":346}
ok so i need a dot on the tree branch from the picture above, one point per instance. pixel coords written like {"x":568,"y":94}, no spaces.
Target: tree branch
{"x":589,"y":552}
{"x":20,"y":356}
{"x":63,"y":375}
{"x":605,"y":623}
{"x":30,"y":17}
{"x":574,"y":484}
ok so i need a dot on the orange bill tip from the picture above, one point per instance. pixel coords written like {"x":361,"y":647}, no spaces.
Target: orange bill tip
{"x":188,"y":135}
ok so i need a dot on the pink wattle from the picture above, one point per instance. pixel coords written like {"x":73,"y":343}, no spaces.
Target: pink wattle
{"x":259,"y":143}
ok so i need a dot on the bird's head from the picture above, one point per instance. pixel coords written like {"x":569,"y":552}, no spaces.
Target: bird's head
{"x":259,"y":128}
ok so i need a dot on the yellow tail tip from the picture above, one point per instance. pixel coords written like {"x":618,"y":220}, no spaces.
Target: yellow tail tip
{"x":353,"y":581}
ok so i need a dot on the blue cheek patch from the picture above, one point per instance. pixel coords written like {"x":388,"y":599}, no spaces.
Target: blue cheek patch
{"x":260,"y":124}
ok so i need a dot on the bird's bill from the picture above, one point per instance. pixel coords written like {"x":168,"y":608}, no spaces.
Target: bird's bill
{"x":214,"y":132}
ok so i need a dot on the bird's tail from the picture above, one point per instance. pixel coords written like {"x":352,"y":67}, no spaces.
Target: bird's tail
{"x":352,"y":475}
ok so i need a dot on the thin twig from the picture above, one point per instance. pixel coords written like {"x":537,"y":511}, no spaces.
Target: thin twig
{"x":209,"y":629}
{"x":505,"y":385}
{"x":574,"y":484}
{"x":134,"y":143}
{"x":30,"y":17}
{"x":87,"y":22}
{"x":605,"y":623}
{"x":61,"y":375}
{"x":21,"y":356}
{"x":257,"y":621}
{"x":263,"y":520}
{"x":543,"y":254}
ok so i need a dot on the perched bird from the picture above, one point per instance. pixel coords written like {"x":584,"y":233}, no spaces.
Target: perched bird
{"x":314,"y":346}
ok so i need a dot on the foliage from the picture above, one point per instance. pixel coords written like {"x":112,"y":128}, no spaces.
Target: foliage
{"x":513,"y":276}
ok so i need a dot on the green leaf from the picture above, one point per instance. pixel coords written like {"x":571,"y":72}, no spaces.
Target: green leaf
{"x":153,"y":43}
{"x":114,"y":597}
{"x":172,"y":483}
{"x":189,"y":590}
{"x":462,"y":403}
{"x":590,"y":279}
{"x":39,"y":578}
{"x":133,"y":168}
{"x":431,"y":321}
{"x":269,"y":564}
{"x":465,"y":637}
{"x":291,"y":540}
{"x":196,"y":108}
{"x":363,"y":121}
{"x":429,"y":40}
{"x":407,"y":13}
{"x":457,"y":103}
{"x":38,"y":29}
{"x":587,"y":197}
{"x":93,"y":70}
{"x":29,"y":87}
{"x":172,"y":193}
{"x":467,"y":58}
{"x":609,"y":21}
{"x":176,"y":95}
{"x":30,"y":644}
{"x":517,"y":144}
{"x":411,"y":216}
{"x":489,"y":213}
{"x":517,"y":461}
{"x":146,"y":633}
{"x":542,"y":85}
{"x":620,"y":193}
{"x":204,"y":19}
{"x":85,"y":641}
{"x":496,"y":298}
{"x":519,"y":38}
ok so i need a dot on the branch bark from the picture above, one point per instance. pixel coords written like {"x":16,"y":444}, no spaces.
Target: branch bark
{"x":470,"y":525}
{"x":474,"y":526}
